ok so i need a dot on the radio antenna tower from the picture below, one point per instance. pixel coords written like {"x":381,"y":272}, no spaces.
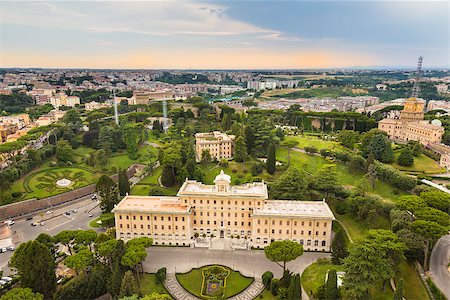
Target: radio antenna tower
{"x":416,"y":87}
{"x":116,"y":113}
{"x":165,"y":120}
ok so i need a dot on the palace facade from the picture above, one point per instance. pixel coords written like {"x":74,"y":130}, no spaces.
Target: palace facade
{"x":411,"y":125}
{"x":220,"y":145}
{"x":224,"y":211}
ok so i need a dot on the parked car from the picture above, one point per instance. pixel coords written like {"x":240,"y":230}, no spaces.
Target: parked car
{"x":11,"y":248}
{"x":74,"y":210}
{"x":90,"y":215}
{"x":4,"y":250}
{"x":67,"y":213}
{"x":94,"y":197}
{"x":29,"y":218}
{"x":49,"y":212}
{"x":42,"y":223}
{"x":9,"y":222}
{"x":2,"y":282}
{"x":6,"y":278}
{"x":33,"y":224}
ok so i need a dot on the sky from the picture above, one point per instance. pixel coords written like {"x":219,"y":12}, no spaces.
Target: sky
{"x":224,"y":34}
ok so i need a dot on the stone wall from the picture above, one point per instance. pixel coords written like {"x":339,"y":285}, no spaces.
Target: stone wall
{"x":18,"y":209}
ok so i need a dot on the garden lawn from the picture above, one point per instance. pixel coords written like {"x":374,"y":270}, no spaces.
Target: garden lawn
{"x":413,"y":288}
{"x":42,"y":183}
{"x":314,"y":275}
{"x":192,"y":282}
{"x":266,"y":295}
{"x":422,"y":163}
{"x":143,"y":187}
{"x":310,"y":141}
{"x":353,"y":227}
{"x":149,"y":285}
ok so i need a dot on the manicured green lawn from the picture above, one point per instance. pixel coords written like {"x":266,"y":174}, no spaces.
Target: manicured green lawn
{"x":42,"y":183}
{"x":93,"y":223}
{"x":353,"y":227}
{"x":311,"y":141}
{"x":422,"y":163}
{"x":266,"y":295}
{"x":192,"y":282}
{"x":143,"y":187}
{"x":314,"y":275}
{"x":413,"y":287}
{"x":149,"y":285}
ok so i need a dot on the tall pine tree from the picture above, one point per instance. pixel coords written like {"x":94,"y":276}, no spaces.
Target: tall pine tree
{"x":339,"y":247}
{"x":240,"y":150}
{"x":271,"y":159}
{"x":128,"y":286}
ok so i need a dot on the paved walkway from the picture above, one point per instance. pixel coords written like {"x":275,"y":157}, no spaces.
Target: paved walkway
{"x":251,"y":291}
{"x":251,"y":263}
{"x":440,"y":257}
{"x":175,"y":289}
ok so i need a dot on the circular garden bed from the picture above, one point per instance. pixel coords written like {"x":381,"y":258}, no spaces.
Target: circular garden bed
{"x":214,"y":282}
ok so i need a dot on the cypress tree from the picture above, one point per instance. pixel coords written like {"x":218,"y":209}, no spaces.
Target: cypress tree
{"x":271,"y":159}
{"x":331,"y":289}
{"x":128,"y":286}
{"x":124,"y":184}
{"x":295,"y":289}
{"x":240,"y":150}
{"x":398,"y":294}
{"x":339,"y":247}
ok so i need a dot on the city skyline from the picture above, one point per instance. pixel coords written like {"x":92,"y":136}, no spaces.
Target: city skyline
{"x":223,"y":35}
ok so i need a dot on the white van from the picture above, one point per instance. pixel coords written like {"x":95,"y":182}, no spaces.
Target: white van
{"x":9,"y":222}
{"x":6,"y":278}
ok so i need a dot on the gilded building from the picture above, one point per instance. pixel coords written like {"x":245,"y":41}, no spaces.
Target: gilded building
{"x":411,"y":126}
{"x":224,"y":211}
{"x":220,"y":145}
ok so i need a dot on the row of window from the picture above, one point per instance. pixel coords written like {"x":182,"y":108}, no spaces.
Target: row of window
{"x":208,"y":222}
{"x":194,"y":201}
{"x":310,"y":223}
{"x":294,"y":232}
{"x":155,"y":226}
{"x":155,"y":218}
{"x":221,"y":214}
{"x":302,"y":242}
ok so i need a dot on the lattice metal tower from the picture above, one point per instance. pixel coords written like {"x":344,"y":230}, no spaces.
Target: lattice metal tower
{"x":116,"y":113}
{"x":165,"y":120}
{"x":416,"y":87}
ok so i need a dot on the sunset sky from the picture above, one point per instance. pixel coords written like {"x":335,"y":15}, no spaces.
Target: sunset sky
{"x":224,"y":34}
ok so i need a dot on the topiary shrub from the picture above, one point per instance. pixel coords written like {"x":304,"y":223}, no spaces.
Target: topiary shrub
{"x":161,"y":275}
{"x":274,"y":286}
{"x":267,"y":279}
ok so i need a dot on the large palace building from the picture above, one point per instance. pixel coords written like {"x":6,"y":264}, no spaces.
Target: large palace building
{"x":220,"y":145}
{"x":411,"y":126}
{"x":224,"y":211}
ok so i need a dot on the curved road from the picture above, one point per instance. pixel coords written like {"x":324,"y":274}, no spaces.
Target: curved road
{"x":440,"y":257}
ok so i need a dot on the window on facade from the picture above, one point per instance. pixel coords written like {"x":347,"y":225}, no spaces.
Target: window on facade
{"x":324,"y":233}
{"x":134,"y":226}
{"x":309,"y":232}
{"x":324,"y":243}
{"x":134,"y":217}
{"x":265,"y":230}
{"x":128,"y":217}
{"x":301,"y":242}
{"x":281,"y":223}
{"x":121,"y":226}
{"x":310,"y":223}
{"x":265,"y":222}
{"x":215,"y":223}
{"x":316,"y":243}
{"x":128,"y":226}
{"x":308,"y":243}
{"x":317,"y":233}
{"x":273,"y":222}
{"x":279,"y":231}
{"x":120,"y":217}
{"x":176,"y":219}
{"x":207,"y":222}
{"x":162,"y":227}
{"x":303,"y":223}
{"x":148,"y":227}
{"x":242,"y":215}
{"x":287,"y":231}
{"x":156,"y":226}
{"x":182,"y":219}
{"x":317,"y":224}
{"x":273,"y":231}
{"x":142,"y":226}
{"x":207,"y":214}
{"x":295,"y":231}
{"x":242,"y":223}
{"x":182,"y":227}
{"x":195,"y":222}
{"x":162,"y":218}
{"x":302,"y":232}
{"x":295,"y":223}
{"x":324,"y":224}
{"x":148,"y":218}
{"x":257,"y":230}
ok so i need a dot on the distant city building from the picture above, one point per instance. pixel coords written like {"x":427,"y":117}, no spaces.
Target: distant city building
{"x":411,"y":126}
{"x":381,"y":87}
{"x":95,"y":105}
{"x":220,"y":145}
{"x":442,"y":88}
{"x":50,"y":118}
{"x":224,"y":211}
{"x":61,"y":99}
